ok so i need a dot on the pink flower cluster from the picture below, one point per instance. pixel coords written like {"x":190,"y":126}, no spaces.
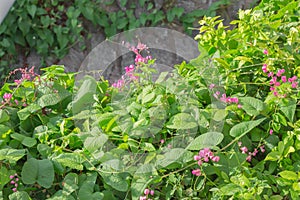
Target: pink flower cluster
{"x":227,"y":99}
{"x":129,"y":70}
{"x":25,"y":74}
{"x":7,"y":97}
{"x":204,"y":155}
{"x":244,"y":150}
{"x":277,"y":78}
{"x":14,"y":181}
{"x":147,"y":192}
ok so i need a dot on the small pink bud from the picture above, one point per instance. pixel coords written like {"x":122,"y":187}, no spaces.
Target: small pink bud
{"x":146,"y":191}
{"x":239,"y":144}
{"x":152,"y":192}
{"x":271,"y":131}
{"x":262,"y":148}
{"x":277,"y":84}
{"x":216,"y":159}
{"x":249,"y":158}
{"x":12,"y":182}
{"x":162,"y":141}
{"x":14,"y":189}
{"x":197,"y":157}
{"x":211,"y":86}
{"x":283,"y":78}
{"x":244,"y":149}
{"x":11,"y":176}
{"x":196,"y":172}
{"x":294,"y":84}
{"x":265,"y":52}
{"x":239,"y":106}
{"x":200,"y":162}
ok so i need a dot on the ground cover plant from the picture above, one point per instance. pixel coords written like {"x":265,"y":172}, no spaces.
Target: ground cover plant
{"x":222,"y":126}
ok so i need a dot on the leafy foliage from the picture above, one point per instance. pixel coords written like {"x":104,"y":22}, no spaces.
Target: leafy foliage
{"x":218,"y":128}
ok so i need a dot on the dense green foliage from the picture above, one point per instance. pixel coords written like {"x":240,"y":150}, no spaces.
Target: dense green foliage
{"x":142,"y":139}
{"x":51,"y":28}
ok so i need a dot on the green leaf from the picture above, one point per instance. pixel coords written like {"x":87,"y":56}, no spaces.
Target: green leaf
{"x":40,"y":171}
{"x":288,"y":107}
{"x":289,"y":175}
{"x":26,"y":141}
{"x":4,"y":117}
{"x":206,"y":140}
{"x":182,"y":121}
{"x":138,"y":186}
{"x":273,"y":156}
{"x":27,"y":111}
{"x":84,"y":98}
{"x":116,"y":180}
{"x":19,"y":195}
{"x":86,"y":190}
{"x":12,"y":155}
{"x":70,"y":183}
{"x":72,"y":160}
{"x":4,"y":176}
{"x":95,"y":142}
{"x":243,"y":128}
{"x":31,"y":9}
{"x":252,"y":106}
{"x":173,"y":156}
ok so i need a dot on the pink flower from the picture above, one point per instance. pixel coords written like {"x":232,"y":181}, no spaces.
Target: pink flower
{"x":146,"y":191}
{"x":196,"y":157}
{"x":264,"y":68}
{"x":162,"y":141}
{"x":270,"y":74}
{"x":265,"y":52}
{"x":141,"y":46}
{"x":12,"y":182}
{"x":14,"y":189}
{"x":7,"y":96}
{"x":206,"y":159}
{"x":283,"y":78}
{"x":244,"y":149}
{"x":271,"y":131}
{"x":255,"y":152}
{"x":272,"y":88}
{"x":275,"y":93}
{"x":200,"y":162}
{"x":152,"y":192}
{"x":277,"y":84}
{"x":294,"y":84}
{"x":196,"y":172}
{"x":211,"y":86}
{"x":11,"y":176}
{"x":249,"y":158}
{"x":215,"y":159}
{"x":143,"y":198}
{"x":239,"y":144}
{"x":262,"y":148}
{"x":239,"y":106}
{"x":129,"y":69}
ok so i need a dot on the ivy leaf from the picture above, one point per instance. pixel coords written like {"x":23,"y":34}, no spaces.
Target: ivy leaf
{"x":182,"y":121}
{"x":252,"y":106}
{"x":243,"y":128}
{"x":71,"y":160}
{"x":288,"y":107}
{"x":12,"y":155}
{"x":19,"y":195}
{"x":31,"y":10}
{"x":40,"y":171}
{"x":206,"y":140}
